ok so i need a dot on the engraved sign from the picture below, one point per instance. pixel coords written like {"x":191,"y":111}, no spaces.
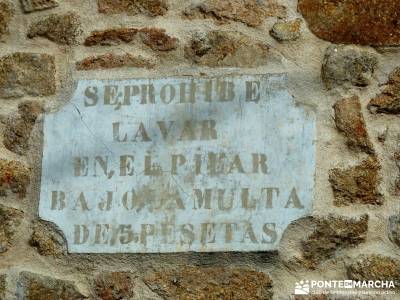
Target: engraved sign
{"x":178,"y":164}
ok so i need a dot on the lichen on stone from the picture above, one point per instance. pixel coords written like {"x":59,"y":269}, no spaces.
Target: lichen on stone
{"x":10,"y":220}
{"x":30,"y":74}
{"x":285,"y":31}
{"x":394,"y":229}
{"x":347,"y":66}
{"x":62,"y":29}
{"x":330,"y":234}
{"x":6,"y":14}
{"x":47,"y":239}
{"x":18,"y":129}
{"x":375,"y":267}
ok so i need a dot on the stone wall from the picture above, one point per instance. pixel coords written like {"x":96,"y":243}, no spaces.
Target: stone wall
{"x":343,"y":61}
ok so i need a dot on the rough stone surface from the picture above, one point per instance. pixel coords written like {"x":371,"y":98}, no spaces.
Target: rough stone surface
{"x":47,"y":240}
{"x":226,"y":49}
{"x":111,"y":61}
{"x":110,"y":37}
{"x":2,"y":287}
{"x":357,"y":184}
{"x":388,"y":101}
{"x":132,"y":7}
{"x":353,"y":21}
{"x":375,"y":267}
{"x":32,"y":286}
{"x":36,"y":5}
{"x":311,"y":297}
{"x":155,"y":38}
{"x":348,"y":66}
{"x":394,"y":229}
{"x":212,"y":283}
{"x":62,"y":29}
{"x":18,"y":129}
{"x":10,"y":219}
{"x":117,"y":285}
{"x":249,"y":12}
{"x":284,"y":31}
{"x":350,"y":121}
{"x":396,"y":157}
{"x":331,"y":234}
{"x":14,"y":176}
{"x":5,"y":17}
{"x":30,"y":74}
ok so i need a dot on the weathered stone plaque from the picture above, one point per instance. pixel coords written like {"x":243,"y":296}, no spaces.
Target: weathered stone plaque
{"x":178,"y":164}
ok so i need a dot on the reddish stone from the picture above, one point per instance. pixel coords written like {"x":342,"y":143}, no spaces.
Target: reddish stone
{"x":198,"y":283}
{"x":350,"y":121}
{"x":364,"y":22}
{"x":14,"y":176}
{"x":155,"y":38}
{"x":111,"y":61}
{"x":226,"y":49}
{"x":116,"y":285}
{"x":249,"y":12}
{"x":111,"y":37}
